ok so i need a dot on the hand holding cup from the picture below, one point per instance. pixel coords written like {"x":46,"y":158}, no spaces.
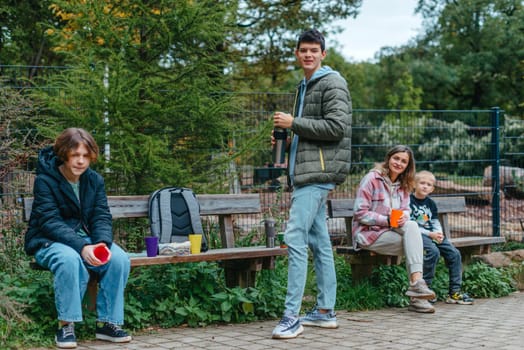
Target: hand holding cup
{"x":102,"y":253}
{"x":395,"y":218}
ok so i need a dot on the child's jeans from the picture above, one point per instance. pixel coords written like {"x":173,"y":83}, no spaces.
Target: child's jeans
{"x":452,"y":258}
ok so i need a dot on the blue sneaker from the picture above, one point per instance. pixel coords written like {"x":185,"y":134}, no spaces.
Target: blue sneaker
{"x":315,"y":318}
{"x":288,"y":327}
{"x":111,"y":332}
{"x":65,"y":337}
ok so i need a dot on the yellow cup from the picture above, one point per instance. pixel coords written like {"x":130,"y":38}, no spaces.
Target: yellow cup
{"x":196,"y":243}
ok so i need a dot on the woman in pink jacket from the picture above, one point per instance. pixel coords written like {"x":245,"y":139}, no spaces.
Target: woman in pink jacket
{"x":384,"y":188}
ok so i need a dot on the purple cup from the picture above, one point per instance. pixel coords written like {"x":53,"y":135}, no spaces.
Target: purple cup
{"x":151,"y":246}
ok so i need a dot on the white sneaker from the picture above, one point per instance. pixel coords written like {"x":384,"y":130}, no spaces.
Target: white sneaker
{"x":288,"y":327}
{"x":421,"y":305}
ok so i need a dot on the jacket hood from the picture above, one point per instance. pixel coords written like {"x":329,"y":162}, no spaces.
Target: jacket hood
{"x":319,"y":73}
{"x":385,"y":179}
{"x":48,"y":163}
{"x":322,"y":71}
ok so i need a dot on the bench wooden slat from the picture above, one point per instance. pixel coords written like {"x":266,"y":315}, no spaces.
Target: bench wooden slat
{"x":239,"y":253}
{"x":210,"y":204}
{"x":128,"y":206}
{"x":450,"y":204}
{"x":343,"y":207}
{"x":458,"y":242}
{"x":340,"y":208}
{"x":475,"y":240}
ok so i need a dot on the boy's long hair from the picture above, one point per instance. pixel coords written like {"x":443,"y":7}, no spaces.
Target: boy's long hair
{"x":70,"y":139}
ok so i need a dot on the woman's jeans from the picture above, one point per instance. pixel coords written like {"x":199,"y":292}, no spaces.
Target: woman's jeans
{"x":71,"y":277}
{"x":452,"y":258}
{"x":307,"y":227}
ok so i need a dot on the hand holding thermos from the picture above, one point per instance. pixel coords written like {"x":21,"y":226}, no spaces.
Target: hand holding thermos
{"x":279,"y":139}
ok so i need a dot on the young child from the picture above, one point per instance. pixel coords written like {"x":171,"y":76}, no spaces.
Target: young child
{"x":424,"y":212}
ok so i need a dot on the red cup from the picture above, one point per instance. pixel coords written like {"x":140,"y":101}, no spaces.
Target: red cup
{"x":396,"y":214}
{"x":102,"y":253}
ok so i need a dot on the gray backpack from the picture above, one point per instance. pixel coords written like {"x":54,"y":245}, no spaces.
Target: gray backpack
{"x":174,"y":213}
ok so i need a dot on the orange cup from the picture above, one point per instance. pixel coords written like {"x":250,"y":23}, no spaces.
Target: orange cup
{"x":396,"y":214}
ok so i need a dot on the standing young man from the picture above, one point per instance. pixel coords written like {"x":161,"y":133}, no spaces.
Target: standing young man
{"x":319,"y":159}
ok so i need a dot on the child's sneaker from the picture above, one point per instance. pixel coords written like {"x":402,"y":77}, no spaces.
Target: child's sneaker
{"x":65,"y":337}
{"x":315,"y":318}
{"x":288,"y":327}
{"x":459,"y":298}
{"x":420,"y":290}
{"x":112,"y":332}
{"x":421,"y":305}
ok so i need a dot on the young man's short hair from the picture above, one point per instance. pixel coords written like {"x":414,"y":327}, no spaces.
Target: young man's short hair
{"x":312,"y":36}
{"x":425,"y":173}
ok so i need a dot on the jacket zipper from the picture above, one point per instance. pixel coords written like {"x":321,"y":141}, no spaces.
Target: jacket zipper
{"x":322,"y":165}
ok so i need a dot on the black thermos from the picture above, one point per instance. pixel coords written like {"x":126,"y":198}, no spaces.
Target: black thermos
{"x":269,"y":225}
{"x":279,"y":148}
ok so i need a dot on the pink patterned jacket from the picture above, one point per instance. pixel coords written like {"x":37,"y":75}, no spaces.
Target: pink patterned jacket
{"x":376,"y":196}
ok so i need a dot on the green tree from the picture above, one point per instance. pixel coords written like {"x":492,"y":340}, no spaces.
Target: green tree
{"x":480,"y":42}
{"x":268,"y":31}
{"x":22,"y":37}
{"x":359,"y":76}
{"x":147,"y":81}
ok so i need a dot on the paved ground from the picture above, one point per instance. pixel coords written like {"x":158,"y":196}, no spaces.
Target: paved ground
{"x":488,"y":324}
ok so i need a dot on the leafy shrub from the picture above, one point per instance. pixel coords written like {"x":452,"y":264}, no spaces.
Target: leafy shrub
{"x":195,"y":294}
{"x":353,"y":297}
{"x":440,"y":283}
{"x":392,"y":283}
{"x":484,"y":281}
{"x":507,"y":246}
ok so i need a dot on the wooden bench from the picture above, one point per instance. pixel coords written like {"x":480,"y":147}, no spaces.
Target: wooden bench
{"x":363,"y":261}
{"x":240,"y":263}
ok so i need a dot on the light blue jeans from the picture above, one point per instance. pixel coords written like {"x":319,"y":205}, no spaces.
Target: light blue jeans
{"x":70,"y":282}
{"x":307,"y":227}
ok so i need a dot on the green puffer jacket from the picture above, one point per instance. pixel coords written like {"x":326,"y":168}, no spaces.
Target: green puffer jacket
{"x":324,"y":130}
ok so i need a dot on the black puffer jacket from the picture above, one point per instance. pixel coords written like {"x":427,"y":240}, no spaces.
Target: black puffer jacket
{"x":57,"y":215}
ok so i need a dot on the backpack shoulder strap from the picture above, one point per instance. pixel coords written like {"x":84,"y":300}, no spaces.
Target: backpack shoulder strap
{"x":154,"y":215}
{"x":166,"y":221}
{"x":194,"y":210}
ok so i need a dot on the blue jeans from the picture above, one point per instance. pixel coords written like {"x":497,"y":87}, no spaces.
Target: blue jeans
{"x":70,"y":282}
{"x":452,"y":258}
{"x":307,"y":227}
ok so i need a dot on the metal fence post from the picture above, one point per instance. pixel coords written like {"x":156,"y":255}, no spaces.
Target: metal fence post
{"x":495,"y":152}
